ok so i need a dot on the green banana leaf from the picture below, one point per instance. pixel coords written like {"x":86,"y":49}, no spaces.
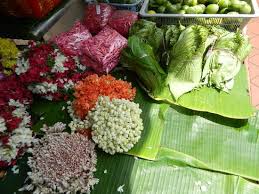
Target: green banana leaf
{"x":138,"y":176}
{"x":48,"y":112}
{"x":235,"y":104}
{"x":212,"y":142}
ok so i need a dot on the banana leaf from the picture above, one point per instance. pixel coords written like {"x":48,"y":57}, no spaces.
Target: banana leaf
{"x":138,"y":176}
{"x":212,"y":142}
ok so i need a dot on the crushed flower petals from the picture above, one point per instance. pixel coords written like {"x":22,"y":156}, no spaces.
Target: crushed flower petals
{"x":88,"y":90}
{"x":62,"y":163}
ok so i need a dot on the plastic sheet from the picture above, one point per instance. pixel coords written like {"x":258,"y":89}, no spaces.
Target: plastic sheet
{"x":122,"y":20}
{"x":97,"y":16}
{"x":70,"y":42}
{"x":28,"y":8}
{"x":102,"y":52}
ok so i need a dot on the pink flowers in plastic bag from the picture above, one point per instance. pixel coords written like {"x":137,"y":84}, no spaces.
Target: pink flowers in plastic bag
{"x":122,"y":20}
{"x":70,"y":42}
{"x":102,"y":52}
{"x":97,"y":16}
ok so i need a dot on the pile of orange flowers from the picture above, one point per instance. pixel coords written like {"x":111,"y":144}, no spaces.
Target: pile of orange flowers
{"x":88,"y":90}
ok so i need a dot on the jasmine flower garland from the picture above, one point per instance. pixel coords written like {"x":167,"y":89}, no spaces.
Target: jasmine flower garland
{"x":77,"y":123}
{"x":15,"y":123}
{"x":116,"y":124}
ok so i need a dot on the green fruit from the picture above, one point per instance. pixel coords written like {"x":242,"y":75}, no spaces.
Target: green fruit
{"x":246,"y":9}
{"x":212,"y":9}
{"x":202,"y":1}
{"x":173,"y":8}
{"x":185,"y":7}
{"x":213,"y":1}
{"x":151,"y":12}
{"x":200,"y":8}
{"x":181,"y":11}
{"x":235,"y":4}
{"x":191,"y":10}
{"x":176,"y":1}
{"x":161,"y":9}
{"x":161,"y":2}
{"x":224,"y":3}
{"x":223,"y":11}
{"x":233,"y":13}
{"x":191,"y":2}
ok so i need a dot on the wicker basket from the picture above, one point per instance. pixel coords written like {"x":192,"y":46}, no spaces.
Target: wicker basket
{"x":230,"y":22}
{"x":27,"y":8}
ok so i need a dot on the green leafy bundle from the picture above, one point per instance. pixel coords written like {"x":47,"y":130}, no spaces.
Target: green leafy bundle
{"x":190,"y":63}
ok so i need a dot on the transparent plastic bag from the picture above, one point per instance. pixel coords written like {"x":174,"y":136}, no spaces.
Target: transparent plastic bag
{"x":102,"y":52}
{"x":70,"y":42}
{"x":97,"y":16}
{"x":122,"y":20}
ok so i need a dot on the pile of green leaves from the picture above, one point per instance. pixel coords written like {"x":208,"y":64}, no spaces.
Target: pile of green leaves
{"x":185,"y":60}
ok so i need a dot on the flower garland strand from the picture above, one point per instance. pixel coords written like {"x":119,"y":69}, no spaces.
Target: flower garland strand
{"x":48,"y":73}
{"x":15,"y":132}
{"x":15,"y":121}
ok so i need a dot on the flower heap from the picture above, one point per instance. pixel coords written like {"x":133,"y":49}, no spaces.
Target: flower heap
{"x":86,"y":95}
{"x":116,"y":124}
{"x":47,"y":72}
{"x":62,"y":163}
{"x":104,"y":105}
{"x":8,"y":55}
{"x":15,"y":121}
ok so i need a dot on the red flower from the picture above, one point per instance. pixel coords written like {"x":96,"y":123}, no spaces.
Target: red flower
{"x":4,"y":139}
{"x":12,"y":88}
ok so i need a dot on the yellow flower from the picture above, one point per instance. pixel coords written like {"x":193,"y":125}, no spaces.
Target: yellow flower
{"x":8,"y":63}
{"x":8,"y":49}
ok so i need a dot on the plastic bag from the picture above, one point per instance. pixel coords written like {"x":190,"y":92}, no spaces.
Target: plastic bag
{"x":70,"y":42}
{"x":122,"y":20}
{"x":97,"y":16}
{"x":102,"y":52}
{"x":28,"y":8}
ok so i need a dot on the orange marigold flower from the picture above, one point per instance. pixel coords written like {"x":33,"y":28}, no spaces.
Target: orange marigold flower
{"x":88,"y":90}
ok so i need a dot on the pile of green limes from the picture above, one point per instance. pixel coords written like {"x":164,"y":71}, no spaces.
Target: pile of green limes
{"x":199,"y":7}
